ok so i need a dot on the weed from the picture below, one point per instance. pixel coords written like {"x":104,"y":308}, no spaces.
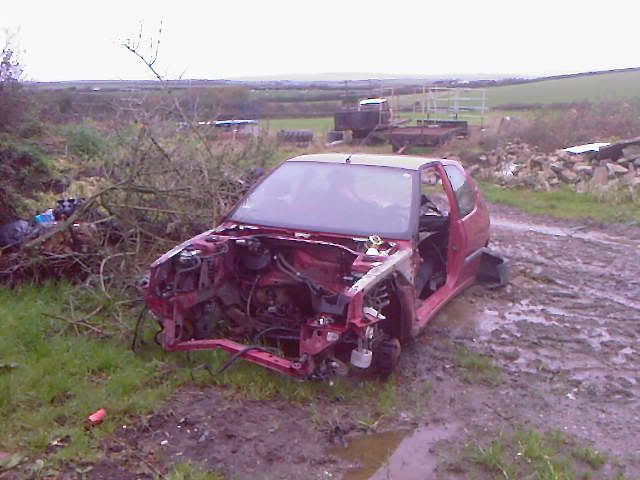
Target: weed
{"x":419,"y":397}
{"x":188,"y":471}
{"x":477,"y":367}
{"x":386,"y":398}
{"x":369,"y":423}
{"x":490,"y":457}
{"x":556,"y":439}
{"x":589,"y":455}
{"x":527,"y":453}
{"x":531,"y":445}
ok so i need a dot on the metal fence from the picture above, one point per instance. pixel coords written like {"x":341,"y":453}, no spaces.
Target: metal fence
{"x":446,"y":103}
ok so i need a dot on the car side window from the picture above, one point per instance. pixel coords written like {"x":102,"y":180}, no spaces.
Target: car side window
{"x":431,"y":189}
{"x":462,"y":190}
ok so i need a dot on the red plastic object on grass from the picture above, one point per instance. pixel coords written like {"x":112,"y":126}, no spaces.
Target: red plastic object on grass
{"x":97,"y":417}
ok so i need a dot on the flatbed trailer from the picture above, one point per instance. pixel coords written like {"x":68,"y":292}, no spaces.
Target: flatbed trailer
{"x":428,"y":133}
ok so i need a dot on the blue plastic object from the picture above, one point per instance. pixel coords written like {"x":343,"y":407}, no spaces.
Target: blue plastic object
{"x":45,"y":217}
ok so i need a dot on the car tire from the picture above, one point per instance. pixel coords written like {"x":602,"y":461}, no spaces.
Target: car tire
{"x":387,"y":355}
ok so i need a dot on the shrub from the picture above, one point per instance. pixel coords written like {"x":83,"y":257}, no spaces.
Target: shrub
{"x":585,"y":122}
{"x":25,"y":170}
{"x":32,"y":127}
{"x":84,"y":140}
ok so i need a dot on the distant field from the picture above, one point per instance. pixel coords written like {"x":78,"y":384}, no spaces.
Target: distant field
{"x":605,"y":86}
{"x":319,"y":125}
{"x":599,"y":87}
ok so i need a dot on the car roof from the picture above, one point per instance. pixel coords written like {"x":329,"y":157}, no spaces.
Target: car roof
{"x":405,"y":162}
{"x":372,"y":101}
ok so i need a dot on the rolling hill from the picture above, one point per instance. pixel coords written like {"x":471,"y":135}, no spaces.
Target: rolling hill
{"x":594,"y":87}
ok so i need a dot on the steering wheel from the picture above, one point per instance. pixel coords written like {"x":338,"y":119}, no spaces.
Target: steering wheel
{"x":429,"y":205}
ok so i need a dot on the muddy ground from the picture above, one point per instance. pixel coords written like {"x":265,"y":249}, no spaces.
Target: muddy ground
{"x":563,"y":336}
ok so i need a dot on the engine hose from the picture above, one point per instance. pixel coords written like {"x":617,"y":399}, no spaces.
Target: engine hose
{"x":222,"y":251}
{"x":158,"y":337}
{"x":287,"y":268}
{"x":253,"y":287}
{"x":239,"y":354}
{"x":275,"y":329}
{"x":183,"y":271}
{"x":136,"y":330}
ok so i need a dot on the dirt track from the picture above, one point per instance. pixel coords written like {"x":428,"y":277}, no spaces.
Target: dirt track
{"x":563,"y":334}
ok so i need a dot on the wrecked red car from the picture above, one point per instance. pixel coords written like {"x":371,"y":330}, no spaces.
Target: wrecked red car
{"x":331,"y":261}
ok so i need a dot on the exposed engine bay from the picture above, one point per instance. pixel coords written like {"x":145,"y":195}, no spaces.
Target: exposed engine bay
{"x":317,"y":305}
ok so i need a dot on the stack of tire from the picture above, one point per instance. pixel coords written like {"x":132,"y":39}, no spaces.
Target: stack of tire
{"x":295,"y":136}
{"x":334,"y":136}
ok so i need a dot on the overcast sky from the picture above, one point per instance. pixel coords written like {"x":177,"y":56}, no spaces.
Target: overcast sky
{"x":74,"y":40}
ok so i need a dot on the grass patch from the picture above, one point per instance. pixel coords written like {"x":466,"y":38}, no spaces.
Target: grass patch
{"x":60,"y":378}
{"x":386,"y":398}
{"x":527,"y":453}
{"x":605,"y":86}
{"x":51,"y":379}
{"x":490,"y":457}
{"x":319,"y":125}
{"x":477,"y":367}
{"x":593,"y":88}
{"x":188,"y":471}
{"x":589,"y":455}
{"x":563,"y":203}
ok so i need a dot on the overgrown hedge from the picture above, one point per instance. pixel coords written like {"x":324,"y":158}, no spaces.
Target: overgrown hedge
{"x":24,"y":170}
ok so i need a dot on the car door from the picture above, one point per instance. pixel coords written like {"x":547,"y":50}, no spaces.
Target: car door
{"x":472,"y":218}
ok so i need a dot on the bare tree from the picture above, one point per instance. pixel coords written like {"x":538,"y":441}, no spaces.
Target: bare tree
{"x":12,"y":99}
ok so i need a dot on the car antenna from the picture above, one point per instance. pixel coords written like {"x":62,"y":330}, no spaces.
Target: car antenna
{"x":348,"y":159}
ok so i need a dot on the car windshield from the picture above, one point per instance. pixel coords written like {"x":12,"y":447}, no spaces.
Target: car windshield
{"x":329,"y":197}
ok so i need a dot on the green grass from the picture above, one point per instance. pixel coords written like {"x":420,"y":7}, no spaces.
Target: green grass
{"x":594,"y":88}
{"x":564,"y":203}
{"x":51,"y":379}
{"x":590,"y":455}
{"x":527,"y":453}
{"x":59,"y":378}
{"x":477,"y":367}
{"x":606,"y":86}
{"x":188,"y":471}
{"x":491,"y":457}
{"x":319,"y":125}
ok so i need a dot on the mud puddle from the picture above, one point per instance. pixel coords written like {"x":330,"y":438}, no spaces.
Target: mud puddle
{"x":401,"y":454}
{"x":466,"y":319}
{"x":368,"y":452}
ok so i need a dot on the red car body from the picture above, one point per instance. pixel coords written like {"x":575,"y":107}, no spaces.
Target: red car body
{"x":307,"y":302}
